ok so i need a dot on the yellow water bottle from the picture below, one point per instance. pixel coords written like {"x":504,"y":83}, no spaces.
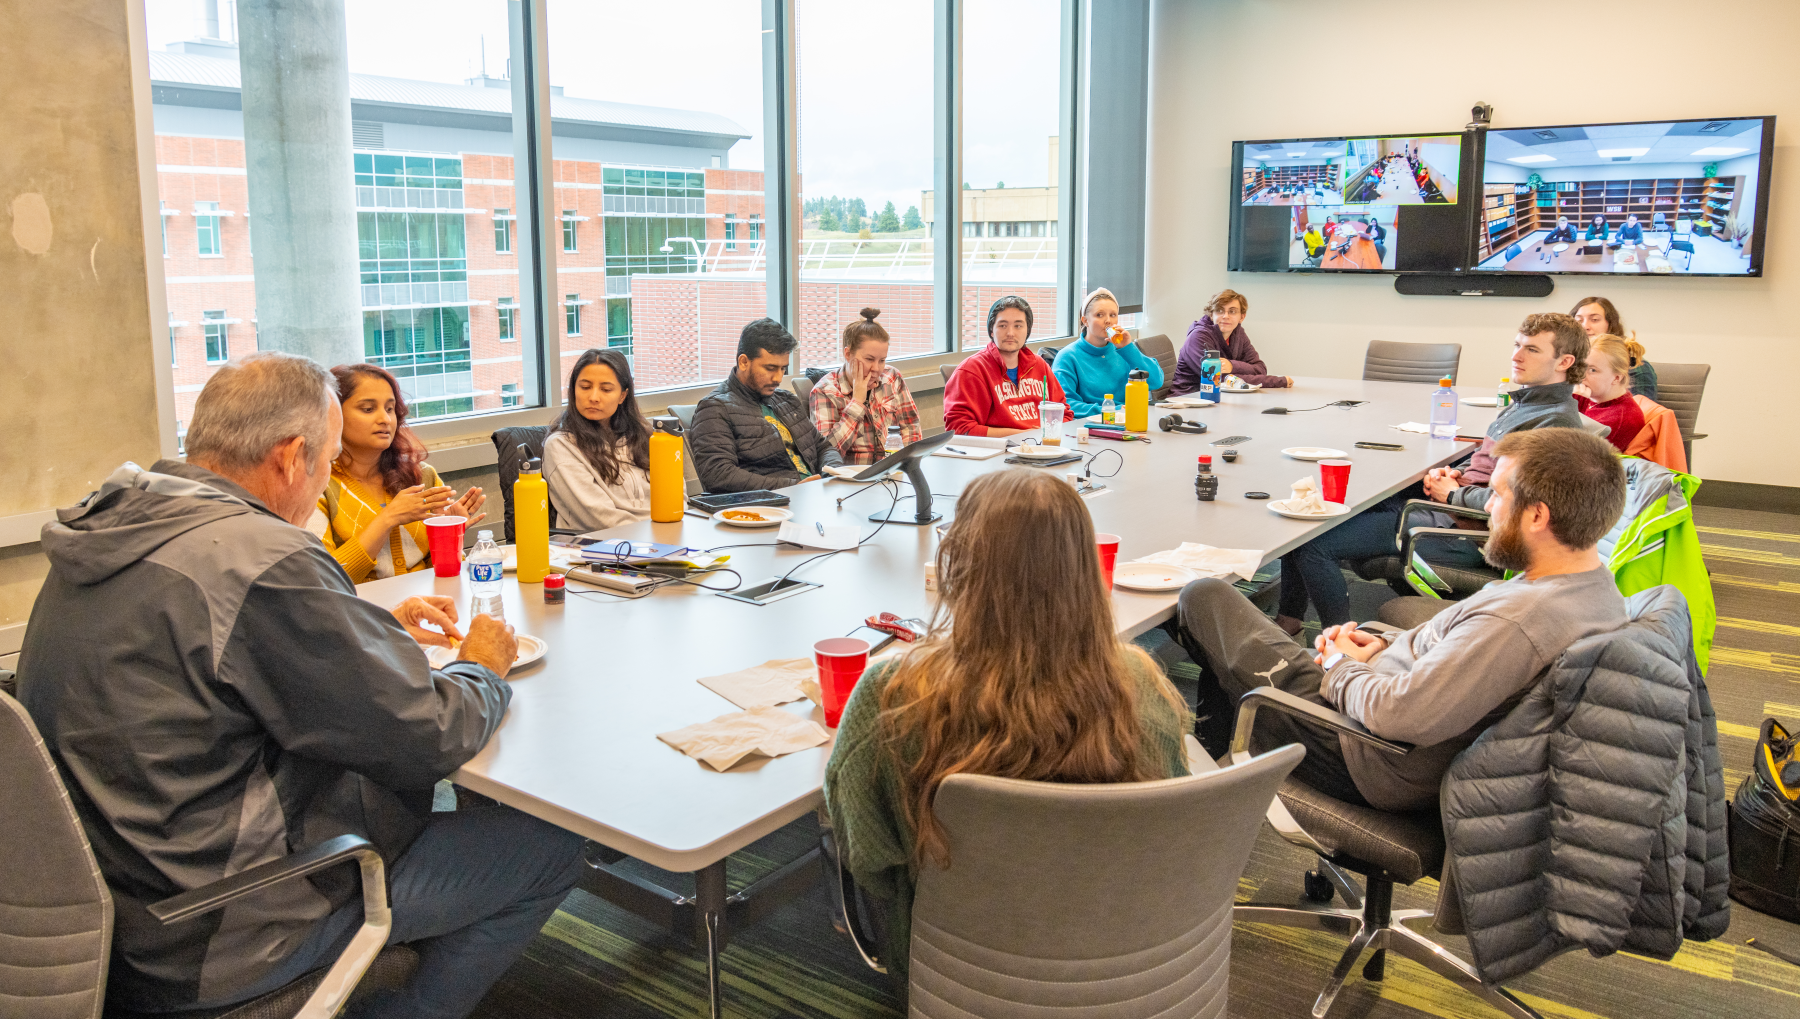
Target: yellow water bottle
{"x":531,"y":520}
{"x":668,"y":486}
{"x":1137,"y":401}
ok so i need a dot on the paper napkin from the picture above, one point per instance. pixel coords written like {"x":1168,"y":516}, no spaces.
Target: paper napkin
{"x":776,"y":681}
{"x":1208,"y":561}
{"x":729,"y":738}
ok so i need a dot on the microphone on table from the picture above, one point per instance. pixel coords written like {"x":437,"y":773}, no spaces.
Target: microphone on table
{"x":1176,"y":423}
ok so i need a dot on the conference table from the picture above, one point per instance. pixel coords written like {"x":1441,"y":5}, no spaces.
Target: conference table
{"x":579,"y":749}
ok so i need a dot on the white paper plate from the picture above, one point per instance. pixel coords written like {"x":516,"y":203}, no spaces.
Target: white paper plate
{"x":1482,"y":401}
{"x":767,"y":516}
{"x":1559,"y":246}
{"x":1332,"y":509}
{"x":1152,"y":577}
{"x":1245,"y":388}
{"x":530,"y":650}
{"x":1042,"y":452}
{"x":1314,"y":453}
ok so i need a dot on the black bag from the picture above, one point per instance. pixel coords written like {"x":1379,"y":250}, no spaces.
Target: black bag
{"x":1765,"y":827}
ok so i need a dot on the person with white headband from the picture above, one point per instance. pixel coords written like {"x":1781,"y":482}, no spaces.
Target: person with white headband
{"x":1100,"y":362}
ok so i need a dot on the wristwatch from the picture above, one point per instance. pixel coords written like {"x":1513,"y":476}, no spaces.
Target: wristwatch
{"x":1333,"y":660}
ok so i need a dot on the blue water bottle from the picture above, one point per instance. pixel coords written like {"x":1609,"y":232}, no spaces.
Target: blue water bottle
{"x":1209,"y":377}
{"x":1443,"y":411}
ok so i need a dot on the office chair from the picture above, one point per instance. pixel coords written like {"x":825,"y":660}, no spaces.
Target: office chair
{"x":1162,"y":350}
{"x":1393,"y":361}
{"x":684,"y":412}
{"x":56,"y":912}
{"x":802,"y":387}
{"x":947,"y":370}
{"x":1061,"y":898}
{"x":1682,"y":244}
{"x":1386,"y":848}
{"x":506,"y":448}
{"x":1513,"y":251}
{"x":1680,"y":388}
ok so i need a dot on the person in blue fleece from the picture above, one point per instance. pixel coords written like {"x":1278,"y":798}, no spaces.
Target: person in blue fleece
{"x":1098,"y":364}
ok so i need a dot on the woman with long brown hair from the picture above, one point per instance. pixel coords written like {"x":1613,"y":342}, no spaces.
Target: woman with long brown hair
{"x":381,"y":489}
{"x":1598,"y":317}
{"x":1021,"y":676}
{"x":597,"y":458}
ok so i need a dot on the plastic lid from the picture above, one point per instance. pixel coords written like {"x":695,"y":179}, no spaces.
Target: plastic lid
{"x":1137,"y":373}
{"x":484,"y":535}
{"x":1109,"y":396}
{"x":1206,"y":458}
{"x":669,"y":423}
{"x":553,"y":579}
{"x":1446,"y":382}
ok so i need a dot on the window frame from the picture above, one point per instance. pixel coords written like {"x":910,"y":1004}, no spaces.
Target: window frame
{"x":209,"y":323}
{"x":572,"y":314}
{"x":503,"y":239}
{"x":205,"y":225}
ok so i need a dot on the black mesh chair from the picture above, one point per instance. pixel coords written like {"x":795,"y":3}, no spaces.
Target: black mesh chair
{"x":1392,"y":361}
{"x":1386,"y":848}
{"x":1457,"y":582}
{"x":56,"y":910}
{"x":1162,"y":350}
{"x":506,"y":445}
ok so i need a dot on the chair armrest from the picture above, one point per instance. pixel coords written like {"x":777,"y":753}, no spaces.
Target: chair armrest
{"x":1382,"y":629}
{"x":1421,"y":505}
{"x":1287,"y":703}
{"x":225,"y":891}
{"x":845,"y":888}
{"x":1696,"y":435}
{"x":1411,"y":538}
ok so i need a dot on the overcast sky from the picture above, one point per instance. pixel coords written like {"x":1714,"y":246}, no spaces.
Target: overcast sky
{"x":865,"y":74}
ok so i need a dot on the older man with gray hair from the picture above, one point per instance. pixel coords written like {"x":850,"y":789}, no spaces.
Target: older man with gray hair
{"x":216,"y":696}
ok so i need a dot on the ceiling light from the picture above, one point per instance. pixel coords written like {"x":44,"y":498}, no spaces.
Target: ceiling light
{"x":1531,"y":159}
{"x":1715,"y":127}
{"x":1620,"y":153}
{"x":1548,"y":136}
{"x":1302,"y":153}
{"x":1718,"y":150}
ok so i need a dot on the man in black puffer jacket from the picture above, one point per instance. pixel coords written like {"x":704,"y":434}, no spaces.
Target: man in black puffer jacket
{"x":750,"y":433}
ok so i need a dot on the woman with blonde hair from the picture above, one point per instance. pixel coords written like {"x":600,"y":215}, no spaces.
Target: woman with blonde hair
{"x":1102,"y":360}
{"x":1058,"y":700}
{"x":854,"y":406}
{"x":1640,"y":427}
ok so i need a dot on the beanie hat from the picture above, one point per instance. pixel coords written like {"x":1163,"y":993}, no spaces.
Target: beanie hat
{"x":1009,"y":301}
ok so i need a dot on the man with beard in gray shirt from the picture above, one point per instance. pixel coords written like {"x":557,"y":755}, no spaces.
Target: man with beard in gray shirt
{"x":1556,"y":492}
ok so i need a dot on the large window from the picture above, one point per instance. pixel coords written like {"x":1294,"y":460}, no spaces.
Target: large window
{"x":1011,"y":114}
{"x":218,"y":336}
{"x":862,"y":187}
{"x":206,"y":230}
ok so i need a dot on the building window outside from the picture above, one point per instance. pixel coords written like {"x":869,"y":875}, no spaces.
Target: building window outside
{"x":172,"y":361}
{"x":573,"y":308}
{"x":568,"y":224}
{"x":502,"y":233}
{"x":206,"y":228}
{"x":618,"y":323}
{"x":218,"y":341}
{"x":508,"y":308}
{"x":165,"y":227}
{"x":730,"y":231}
{"x":509,"y":394}
{"x":756,"y":223}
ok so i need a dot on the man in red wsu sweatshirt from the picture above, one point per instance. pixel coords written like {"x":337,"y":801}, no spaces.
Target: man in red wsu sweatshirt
{"x":997,"y":391}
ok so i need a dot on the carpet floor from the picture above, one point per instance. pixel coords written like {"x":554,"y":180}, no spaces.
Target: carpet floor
{"x":595,"y":960}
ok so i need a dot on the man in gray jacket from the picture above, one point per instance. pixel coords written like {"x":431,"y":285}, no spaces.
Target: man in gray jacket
{"x":1555,"y":493}
{"x":216,"y":696}
{"x":750,"y":433}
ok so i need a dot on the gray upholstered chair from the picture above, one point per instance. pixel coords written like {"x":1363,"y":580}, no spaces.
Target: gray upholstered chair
{"x":802,"y":387}
{"x":1679,"y":387}
{"x":684,"y":412}
{"x":947,"y":370}
{"x":1081,"y":901}
{"x":1392,"y":361}
{"x":1386,"y":848}
{"x":56,"y":914}
{"x":1163,"y":350}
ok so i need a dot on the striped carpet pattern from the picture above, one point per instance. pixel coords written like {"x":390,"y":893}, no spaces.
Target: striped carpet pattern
{"x":594,"y":960}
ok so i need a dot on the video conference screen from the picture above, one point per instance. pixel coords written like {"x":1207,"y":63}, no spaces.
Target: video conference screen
{"x":1682,"y":197}
{"x":1378,"y":204}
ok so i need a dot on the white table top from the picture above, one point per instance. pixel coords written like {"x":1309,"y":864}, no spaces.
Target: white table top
{"x":579,"y":749}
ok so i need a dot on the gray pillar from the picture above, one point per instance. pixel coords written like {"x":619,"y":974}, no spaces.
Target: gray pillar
{"x":295,"y":65}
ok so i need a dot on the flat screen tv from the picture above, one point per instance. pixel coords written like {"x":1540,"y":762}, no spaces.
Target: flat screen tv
{"x":1677,"y":197}
{"x":1376,"y":203}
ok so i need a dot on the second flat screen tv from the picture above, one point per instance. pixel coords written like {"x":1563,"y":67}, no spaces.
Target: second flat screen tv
{"x":1677,"y":197}
{"x":1390,"y":203}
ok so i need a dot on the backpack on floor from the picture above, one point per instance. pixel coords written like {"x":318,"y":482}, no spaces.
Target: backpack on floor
{"x":1765,"y":827}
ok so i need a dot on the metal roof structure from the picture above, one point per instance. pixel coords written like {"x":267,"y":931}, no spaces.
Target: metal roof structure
{"x":187,"y":79}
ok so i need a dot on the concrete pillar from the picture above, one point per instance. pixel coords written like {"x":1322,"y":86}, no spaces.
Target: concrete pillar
{"x":295,"y":66}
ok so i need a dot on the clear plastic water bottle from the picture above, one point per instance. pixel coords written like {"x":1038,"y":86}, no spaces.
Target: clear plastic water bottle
{"x":487,"y":566}
{"x":1443,"y":411}
{"x":1503,"y":393}
{"x":1109,"y":411}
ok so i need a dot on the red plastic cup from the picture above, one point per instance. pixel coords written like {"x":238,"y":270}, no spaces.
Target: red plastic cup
{"x":1108,"y":545}
{"x":1334,"y":479}
{"x":445,"y":536}
{"x":841,"y":663}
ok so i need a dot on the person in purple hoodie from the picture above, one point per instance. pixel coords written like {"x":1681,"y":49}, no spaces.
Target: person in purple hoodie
{"x":1221,"y":329}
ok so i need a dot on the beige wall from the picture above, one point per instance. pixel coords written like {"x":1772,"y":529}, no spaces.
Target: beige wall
{"x":1227,"y":70}
{"x":78,"y":394}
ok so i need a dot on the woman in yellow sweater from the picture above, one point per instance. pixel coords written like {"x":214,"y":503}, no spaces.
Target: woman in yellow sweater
{"x":381,"y":490}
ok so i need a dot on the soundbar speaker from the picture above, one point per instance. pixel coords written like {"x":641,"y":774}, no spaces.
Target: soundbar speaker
{"x":1473,"y":284}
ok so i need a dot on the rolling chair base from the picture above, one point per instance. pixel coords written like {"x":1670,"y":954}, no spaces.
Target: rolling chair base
{"x":1379,"y":928}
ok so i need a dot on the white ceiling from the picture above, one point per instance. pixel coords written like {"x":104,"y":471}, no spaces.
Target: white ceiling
{"x":1667,"y":142}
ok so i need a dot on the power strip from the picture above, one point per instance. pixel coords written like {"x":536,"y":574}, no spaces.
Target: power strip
{"x":624,"y":582}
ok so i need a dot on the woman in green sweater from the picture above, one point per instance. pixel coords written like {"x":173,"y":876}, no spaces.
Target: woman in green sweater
{"x":1102,"y":360}
{"x":1021,"y":676}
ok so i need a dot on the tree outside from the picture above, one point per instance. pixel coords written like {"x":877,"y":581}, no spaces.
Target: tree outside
{"x":888,"y":221}
{"x":912,"y":219}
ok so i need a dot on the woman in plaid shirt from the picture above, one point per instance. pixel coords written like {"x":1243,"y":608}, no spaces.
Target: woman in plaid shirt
{"x":856,"y":405}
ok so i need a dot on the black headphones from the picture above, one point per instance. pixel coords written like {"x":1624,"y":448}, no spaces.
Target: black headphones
{"x":1175,"y":423}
